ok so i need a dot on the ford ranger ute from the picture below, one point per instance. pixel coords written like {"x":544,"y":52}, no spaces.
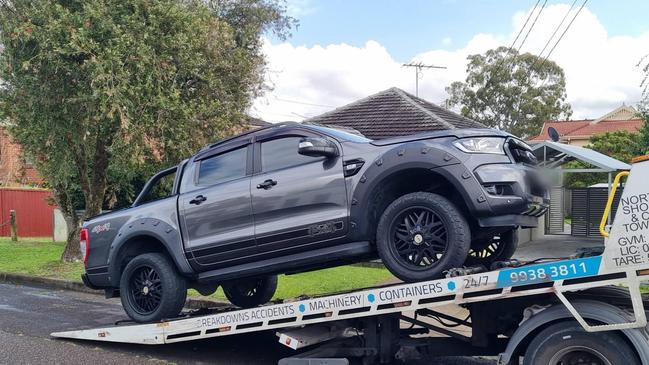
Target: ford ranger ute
{"x":291,"y":198}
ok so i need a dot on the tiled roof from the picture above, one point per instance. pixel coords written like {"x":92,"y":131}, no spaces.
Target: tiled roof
{"x":564,"y":128}
{"x":588,"y":127}
{"x":393,"y":112}
{"x":252,"y":121}
{"x":631,"y":125}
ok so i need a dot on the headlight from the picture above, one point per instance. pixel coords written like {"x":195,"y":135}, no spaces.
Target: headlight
{"x":481,"y":145}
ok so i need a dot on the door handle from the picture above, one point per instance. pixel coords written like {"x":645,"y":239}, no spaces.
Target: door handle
{"x":267,"y":184}
{"x":198,"y":200}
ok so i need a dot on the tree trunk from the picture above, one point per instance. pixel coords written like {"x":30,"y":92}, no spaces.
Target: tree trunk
{"x":72,"y":250}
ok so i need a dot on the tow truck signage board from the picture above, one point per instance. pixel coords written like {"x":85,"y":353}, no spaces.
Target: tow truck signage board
{"x":627,"y":246}
{"x":388,"y":299}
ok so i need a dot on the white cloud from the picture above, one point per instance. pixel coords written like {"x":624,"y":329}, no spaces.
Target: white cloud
{"x":601,"y":71}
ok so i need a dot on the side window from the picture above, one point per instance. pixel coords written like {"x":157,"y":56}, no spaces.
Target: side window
{"x":162,"y":188}
{"x":224,"y":167}
{"x":282,"y":153}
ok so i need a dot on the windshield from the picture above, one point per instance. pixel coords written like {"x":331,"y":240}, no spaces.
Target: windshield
{"x":346,"y":136}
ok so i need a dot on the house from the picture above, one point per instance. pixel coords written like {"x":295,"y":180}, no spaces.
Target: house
{"x":578,"y":132}
{"x":393,"y":112}
{"x":15,"y":169}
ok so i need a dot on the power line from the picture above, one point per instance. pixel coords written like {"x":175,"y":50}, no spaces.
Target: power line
{"x":511,"y":47}
{"x":524,"y":24}
{"x":557,"y":29}
{"x":513,"y":62}
{"x":303,"y":102}
{"x":559,"y":40}
{"x":418,"y":72}
{"x":564,"y":32}
{"x":532,"y":26}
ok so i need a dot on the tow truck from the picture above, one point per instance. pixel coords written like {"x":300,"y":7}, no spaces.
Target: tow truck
{"x":586,"y":309}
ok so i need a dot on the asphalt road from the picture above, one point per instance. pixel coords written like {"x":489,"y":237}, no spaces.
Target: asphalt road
{"x":28,"y":315}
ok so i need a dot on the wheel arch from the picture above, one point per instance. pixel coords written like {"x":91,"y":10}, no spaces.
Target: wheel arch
{"x":144,"y":236}
{"x":589,"y":309}
{"x":402,"y":170}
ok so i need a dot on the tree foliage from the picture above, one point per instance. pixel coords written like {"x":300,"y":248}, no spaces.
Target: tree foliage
{"x":621,"y":145}
{"x":510,"y":91}
{"x":644,"y":131}
{"x":98,"y":92}
{"x":644,"y":83}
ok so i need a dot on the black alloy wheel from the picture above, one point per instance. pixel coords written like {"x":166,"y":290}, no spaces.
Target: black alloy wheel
{"x":419,"y":237}
{"x":145,"y":290}
{"x":151,"y":289}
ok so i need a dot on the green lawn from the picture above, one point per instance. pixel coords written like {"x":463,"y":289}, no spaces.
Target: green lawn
{"x":38,"y":258}
{"x":41,"y":258}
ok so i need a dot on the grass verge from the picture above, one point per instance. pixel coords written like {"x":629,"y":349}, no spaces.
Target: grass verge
{"x":42,"y":258}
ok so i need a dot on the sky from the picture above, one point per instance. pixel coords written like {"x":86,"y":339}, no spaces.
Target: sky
{"x":345,"y":50}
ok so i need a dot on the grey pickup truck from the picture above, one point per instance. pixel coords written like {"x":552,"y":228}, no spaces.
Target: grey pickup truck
{"x":291,"y":198}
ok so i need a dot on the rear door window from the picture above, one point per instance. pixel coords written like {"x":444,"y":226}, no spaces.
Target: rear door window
{"x":221,"y":168}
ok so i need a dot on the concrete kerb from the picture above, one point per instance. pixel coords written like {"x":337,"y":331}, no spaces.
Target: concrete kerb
{"x":59,"y":284}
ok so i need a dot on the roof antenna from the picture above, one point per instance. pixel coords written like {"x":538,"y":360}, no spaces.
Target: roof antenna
{"x":554,"y":135}
{"x":418,"y":72}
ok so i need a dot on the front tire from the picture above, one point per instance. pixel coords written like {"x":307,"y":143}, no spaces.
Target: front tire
{"x":568,"y":343}
{"x":151,"y":289}
{"x":250,"y":293}
{"x":421,"y":235}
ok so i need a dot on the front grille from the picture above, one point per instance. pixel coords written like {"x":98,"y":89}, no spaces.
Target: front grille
{"x":536,"y":210}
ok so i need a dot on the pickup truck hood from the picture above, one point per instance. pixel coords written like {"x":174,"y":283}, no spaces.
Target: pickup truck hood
{"x":457,"y":133}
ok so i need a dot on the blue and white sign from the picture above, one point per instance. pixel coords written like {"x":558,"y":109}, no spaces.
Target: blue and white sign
{"x":552,"y":271}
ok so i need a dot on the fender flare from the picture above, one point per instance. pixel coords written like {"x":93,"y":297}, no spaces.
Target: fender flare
{"x":589,"y":309}
{"x":152,"y":228}
{"x":404,"y":157}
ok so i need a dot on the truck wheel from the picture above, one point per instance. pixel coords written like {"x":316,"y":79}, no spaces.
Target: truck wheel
{"x":151,"y":289}
{"x":501,"y":247}
{"x":568,"y":343}
{"x":250,"y":293}
{"x":420,"y":235}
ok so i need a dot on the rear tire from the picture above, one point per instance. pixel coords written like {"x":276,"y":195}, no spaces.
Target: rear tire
{"x":501,"y":247}
{"x":151,"y":289}
{"x":568,"y":343}
{"x":250,"y":293}
{"x":421,"y":235}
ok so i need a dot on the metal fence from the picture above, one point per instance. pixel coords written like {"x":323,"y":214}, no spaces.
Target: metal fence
{"x":587,"y":208}
{"x":34,"y":214}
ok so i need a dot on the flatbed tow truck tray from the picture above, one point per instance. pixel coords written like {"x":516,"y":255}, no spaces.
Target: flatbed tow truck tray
{"x":625,"y":262}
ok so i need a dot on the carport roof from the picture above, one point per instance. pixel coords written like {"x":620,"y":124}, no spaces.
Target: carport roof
{"x":556,"y":154}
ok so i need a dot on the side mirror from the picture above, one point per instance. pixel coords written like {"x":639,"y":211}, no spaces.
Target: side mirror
{"x":317,"y":147}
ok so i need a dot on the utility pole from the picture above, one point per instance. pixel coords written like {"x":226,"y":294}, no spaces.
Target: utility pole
{"x":418,"y":72}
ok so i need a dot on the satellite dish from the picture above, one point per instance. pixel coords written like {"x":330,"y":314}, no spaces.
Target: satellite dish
{"x":554,"y":135}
